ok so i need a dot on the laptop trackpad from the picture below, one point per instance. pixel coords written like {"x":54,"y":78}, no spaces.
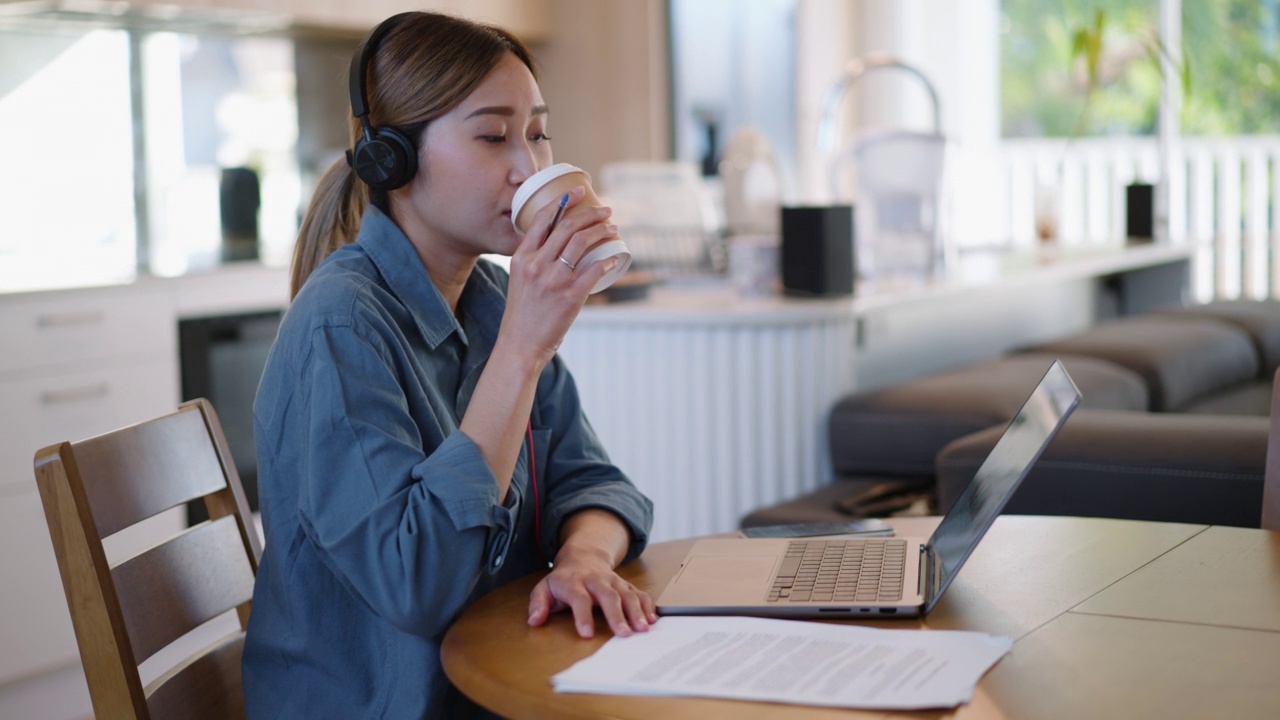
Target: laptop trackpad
{"x":753,"y":570}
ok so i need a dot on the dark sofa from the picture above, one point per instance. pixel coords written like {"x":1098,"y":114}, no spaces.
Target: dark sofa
{"x":1172,"y":427}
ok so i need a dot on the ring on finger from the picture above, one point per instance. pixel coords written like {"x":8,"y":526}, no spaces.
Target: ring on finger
{"x":568,"y":264}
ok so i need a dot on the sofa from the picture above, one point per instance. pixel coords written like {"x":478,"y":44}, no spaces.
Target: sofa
{"x":1172,"y":426}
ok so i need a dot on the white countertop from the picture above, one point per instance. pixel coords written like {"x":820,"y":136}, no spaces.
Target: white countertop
{"x":716,"y":302}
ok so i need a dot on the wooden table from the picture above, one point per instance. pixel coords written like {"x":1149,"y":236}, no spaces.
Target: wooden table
{"x":1111,"y":618}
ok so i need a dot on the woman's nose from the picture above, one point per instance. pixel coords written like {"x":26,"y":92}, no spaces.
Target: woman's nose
{"x":526,"y":163}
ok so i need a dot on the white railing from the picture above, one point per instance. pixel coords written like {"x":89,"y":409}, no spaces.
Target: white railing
{"x":1224,"y":200}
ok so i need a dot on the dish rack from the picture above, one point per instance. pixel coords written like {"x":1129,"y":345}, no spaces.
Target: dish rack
{"x":667,"y":217}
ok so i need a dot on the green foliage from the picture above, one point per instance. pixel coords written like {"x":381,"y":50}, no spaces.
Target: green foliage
{"x":1234,"y":46}
{"x":1092,"y":67}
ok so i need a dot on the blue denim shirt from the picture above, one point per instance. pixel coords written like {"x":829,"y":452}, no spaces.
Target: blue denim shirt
{"x":382,"y":520}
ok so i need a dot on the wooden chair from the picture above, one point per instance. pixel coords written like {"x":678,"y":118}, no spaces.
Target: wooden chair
{"x":126,"y":612}
{"x":1271,"y":478}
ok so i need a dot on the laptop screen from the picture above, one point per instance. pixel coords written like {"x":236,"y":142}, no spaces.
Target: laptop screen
{"x":1000,"y":474}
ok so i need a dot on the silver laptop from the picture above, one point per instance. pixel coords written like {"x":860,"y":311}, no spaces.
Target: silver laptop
{"x":869,"y":576}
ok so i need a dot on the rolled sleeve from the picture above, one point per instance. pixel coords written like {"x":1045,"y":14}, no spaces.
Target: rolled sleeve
{"x":459,"y":456}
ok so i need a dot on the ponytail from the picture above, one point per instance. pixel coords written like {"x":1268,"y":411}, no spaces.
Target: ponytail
{"x":332,"y":220}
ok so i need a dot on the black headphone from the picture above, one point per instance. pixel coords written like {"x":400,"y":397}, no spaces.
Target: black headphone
{"x":383,"y":157}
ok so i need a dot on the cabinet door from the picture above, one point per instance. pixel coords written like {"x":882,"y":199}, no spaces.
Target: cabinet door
{"x":35,"y":627}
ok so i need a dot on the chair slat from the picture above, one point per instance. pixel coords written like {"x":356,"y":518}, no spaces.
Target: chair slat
{"x":198,"y":691}
{"x":140,"y":471}
{"x":177,"y":586}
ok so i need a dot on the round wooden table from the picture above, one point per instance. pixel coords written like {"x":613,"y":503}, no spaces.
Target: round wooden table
{"x":1111,"y":618}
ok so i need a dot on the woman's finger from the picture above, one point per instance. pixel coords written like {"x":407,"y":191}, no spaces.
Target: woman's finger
{"x":541,"y":603}
{"x":581,"y":242}
{"x":610,"y":602}
{"x":583,"y":225}
{"x":633,"y":606}
{"x":587,"y":276}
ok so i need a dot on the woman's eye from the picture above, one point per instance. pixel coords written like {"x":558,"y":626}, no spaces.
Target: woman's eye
{"x":494,"y":139}
{"x":541,"y":137}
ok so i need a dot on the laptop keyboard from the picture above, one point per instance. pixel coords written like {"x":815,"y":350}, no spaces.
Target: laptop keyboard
{"x":861,"y":570}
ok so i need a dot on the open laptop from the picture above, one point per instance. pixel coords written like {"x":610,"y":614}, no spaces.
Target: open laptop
{"x":886,"y":576}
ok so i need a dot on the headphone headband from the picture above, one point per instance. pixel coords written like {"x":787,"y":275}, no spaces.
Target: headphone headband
{"x":360,"y":65}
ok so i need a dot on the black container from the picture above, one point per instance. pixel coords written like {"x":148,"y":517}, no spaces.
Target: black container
{"x":239,"y":200}
{"x":817,"y":250}
{"x":1139,"y":212}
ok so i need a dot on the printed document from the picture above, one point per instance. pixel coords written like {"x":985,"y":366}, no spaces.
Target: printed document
{"x":790,"y":661}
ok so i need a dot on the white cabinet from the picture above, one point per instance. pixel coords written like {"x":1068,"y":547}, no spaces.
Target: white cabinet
{"x":713,"y":405}
{"x":72,"y":364}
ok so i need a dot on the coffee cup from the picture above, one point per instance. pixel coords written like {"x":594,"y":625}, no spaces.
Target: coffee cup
{"x":547,"y":186}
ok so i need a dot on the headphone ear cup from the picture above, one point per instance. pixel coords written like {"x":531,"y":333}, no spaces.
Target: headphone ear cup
{"x":387,"y":161}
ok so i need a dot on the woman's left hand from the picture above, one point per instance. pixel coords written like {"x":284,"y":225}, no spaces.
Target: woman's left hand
{"x":582,"y":579}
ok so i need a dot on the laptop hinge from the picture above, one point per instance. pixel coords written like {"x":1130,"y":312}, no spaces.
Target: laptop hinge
{"x":923,"y":575}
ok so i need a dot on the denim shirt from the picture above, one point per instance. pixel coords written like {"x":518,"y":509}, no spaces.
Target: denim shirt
{"x":382,"y":519}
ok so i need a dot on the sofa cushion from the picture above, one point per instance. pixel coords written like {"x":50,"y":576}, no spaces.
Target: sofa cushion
{"x":1181,"y":359}
{"x":900,"y":429}
{"x":1140,"y":466}
{"x":1251,"y":398}
{"x":1259,"y":318}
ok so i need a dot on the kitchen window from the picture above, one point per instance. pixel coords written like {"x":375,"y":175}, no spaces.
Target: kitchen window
{"x":130,"y":148}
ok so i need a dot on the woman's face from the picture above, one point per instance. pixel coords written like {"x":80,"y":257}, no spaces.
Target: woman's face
{"x":471,"y":160}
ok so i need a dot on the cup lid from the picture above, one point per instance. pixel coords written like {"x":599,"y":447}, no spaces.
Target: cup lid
{"x":535,"y":182}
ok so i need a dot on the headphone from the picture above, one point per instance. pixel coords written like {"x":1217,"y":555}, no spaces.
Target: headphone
{"x":383,"y":157}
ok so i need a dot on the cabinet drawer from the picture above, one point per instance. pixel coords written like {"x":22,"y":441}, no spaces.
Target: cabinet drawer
{"x":50,"y":330}
{"x":41,"y":411}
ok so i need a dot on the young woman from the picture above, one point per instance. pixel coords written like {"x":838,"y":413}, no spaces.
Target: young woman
{"x":419,"y":441}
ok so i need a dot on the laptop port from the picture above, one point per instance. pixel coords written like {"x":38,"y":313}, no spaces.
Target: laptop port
{"x":888,"y":611}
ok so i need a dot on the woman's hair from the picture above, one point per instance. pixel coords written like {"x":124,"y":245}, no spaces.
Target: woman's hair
{"x":422,"y":68}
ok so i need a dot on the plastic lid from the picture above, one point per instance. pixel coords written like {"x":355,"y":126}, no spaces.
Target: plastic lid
{"x":535,"y":183}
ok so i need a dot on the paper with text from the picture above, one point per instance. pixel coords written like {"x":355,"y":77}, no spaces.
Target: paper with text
{"x":790,"y":661}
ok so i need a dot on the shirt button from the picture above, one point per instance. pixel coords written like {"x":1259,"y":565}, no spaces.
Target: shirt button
{"x":497,"y":562}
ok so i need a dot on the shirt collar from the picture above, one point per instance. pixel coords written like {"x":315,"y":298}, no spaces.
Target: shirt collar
{"x":483,"y":297}
{"x":398,"y":262}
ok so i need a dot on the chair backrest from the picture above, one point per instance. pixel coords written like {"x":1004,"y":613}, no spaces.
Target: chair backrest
{"x":123,"y":613}
{"x":1271,"y":477}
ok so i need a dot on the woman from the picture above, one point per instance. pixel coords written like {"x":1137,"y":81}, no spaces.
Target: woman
{"x":419,"y":442}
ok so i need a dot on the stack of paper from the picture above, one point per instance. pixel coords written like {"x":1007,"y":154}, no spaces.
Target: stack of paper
{"x":790,"y":661}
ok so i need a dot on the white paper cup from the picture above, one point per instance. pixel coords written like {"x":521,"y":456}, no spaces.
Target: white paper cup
{"x":547,"y":186}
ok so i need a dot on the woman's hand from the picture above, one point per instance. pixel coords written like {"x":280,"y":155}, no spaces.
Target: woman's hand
{"x":583,"y":578}
{"x":581,"y":583}
{"x":546,"y":292}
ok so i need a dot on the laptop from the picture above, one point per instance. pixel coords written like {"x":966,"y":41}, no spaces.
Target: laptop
{"x":869,"y":576}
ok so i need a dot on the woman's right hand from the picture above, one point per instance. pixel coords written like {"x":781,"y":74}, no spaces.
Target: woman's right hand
{"x":548,"y":288}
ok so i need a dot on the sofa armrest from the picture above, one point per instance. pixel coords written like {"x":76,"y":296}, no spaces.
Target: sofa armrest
{"x":1141,"y":466}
